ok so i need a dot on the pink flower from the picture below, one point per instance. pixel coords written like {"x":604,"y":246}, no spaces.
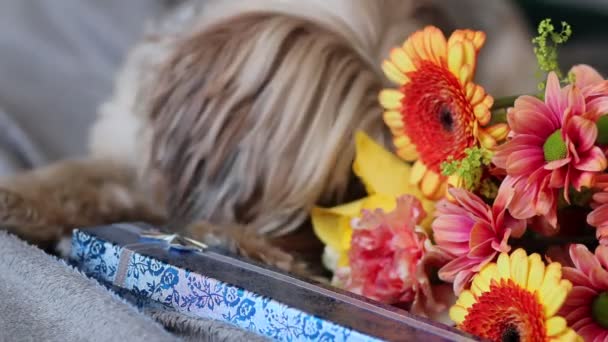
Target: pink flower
{"x":586,"y":307}
{"x":552,"y":145}
{"x":593,"y":87}
{"x":473,"y":233}
{"x":391,"y":258}
{"x":598,"y":218}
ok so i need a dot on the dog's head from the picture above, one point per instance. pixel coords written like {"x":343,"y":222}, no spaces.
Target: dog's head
{"x":250,"y":112}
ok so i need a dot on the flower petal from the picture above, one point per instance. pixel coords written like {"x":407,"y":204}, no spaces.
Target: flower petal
{"x":598,"y":216}
{"x":333,"y":224}
{"x":599,"y":278}
{"x":580,"y":180}
{"x":431,"y":182}
{"x":465,"y":75}
{"x":462,"y":280}
{"x":554,"y":298}
{"x":598,"y":107}
{"x":576,"y":277}
{"x":436,"y":43}
{"x":525,"y":162}
{"x":418,"y":172}
{"x":482,"y":113}
{"x":480,"y":233}
{"x":489,"y":273}
{"x":519,"y":207}
{"x":553,"y":96}
{"x":593,"y":161}
{"x":519,"y":267}
{"x":553,"y":274}
{"x":556,"y":164}
{"x":533,"y":104}
{"x":601,"y":253}
{"x":456,"y":58}
{"x":555,"y":326}
{"x":394,"y":120}
{"x":520,"y":142}
{"x":455,"y":228}
{"x":504,"y":266}
{"x":584,"y":260}
{"x":585,"y":76}
{"x":581,"y":295}
{"x":390,"y":98}
{"x":576,"y":314}
{"x":471,"y":203}
{"x":524,"y":121}
{"x":458,"y":314}
{"x":475,"y":93}
{"x":393,"y":73}
{"x":466,"y":299}
{"x":498,"y":132}
{"x":380,"y":170}
{"x":582,"y":132}
{"x":481,"y":250}
{"x":558,"y":177}
{"x":536,"y":273}
{"x":401,"y":60}
{"x":576,"y":101}
{"x":480,"y":285}
{"x":449,"y":270}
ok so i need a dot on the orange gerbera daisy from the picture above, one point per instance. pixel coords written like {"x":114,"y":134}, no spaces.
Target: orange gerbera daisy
{"x":516,"y":299}
{"x":438,"y":111}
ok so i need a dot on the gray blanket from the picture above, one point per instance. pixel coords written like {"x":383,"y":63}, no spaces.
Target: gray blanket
{"x":43,"y":299}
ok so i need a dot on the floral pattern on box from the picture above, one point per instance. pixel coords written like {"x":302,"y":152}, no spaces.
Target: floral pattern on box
{"x":151,"y":280}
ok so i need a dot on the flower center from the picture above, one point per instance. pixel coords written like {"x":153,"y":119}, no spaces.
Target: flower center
{"x":506,"y":313}
{"x":602,"y":130}
{"x":555,"y":147}
{"x":437,"y":115}
{"x":510,"y":334}
{"x":599,"y":309}
{"x":446,"y":118}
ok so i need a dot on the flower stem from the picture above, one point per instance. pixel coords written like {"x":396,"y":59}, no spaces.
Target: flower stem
{"x":508,"y":101}
{"x":504,"y":102}
{"x":498,"y":116}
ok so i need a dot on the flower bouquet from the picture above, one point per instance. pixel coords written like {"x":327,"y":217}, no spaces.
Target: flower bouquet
{"x":492,"y":215}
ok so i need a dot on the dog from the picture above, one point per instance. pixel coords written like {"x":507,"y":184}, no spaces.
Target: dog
{"x":230,"y":120}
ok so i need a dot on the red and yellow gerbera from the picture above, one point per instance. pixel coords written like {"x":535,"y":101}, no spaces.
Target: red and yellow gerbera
{"x":437,"y":111}
{"x":516,"y":299}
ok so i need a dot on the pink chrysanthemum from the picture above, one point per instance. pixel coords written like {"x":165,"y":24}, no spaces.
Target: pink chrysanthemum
{"x":593,"y":87}
{"x":552,"y":147}
{"x":598,"y":218}
{"x":391,"y":258}
{"x":473,"y":233}
{"x":586,"y":307}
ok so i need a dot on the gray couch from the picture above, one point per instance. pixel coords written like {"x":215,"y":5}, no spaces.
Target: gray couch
{"x":57,"y":63}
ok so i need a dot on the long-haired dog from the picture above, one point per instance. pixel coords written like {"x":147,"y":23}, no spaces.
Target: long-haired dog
{"x":231,"y":119}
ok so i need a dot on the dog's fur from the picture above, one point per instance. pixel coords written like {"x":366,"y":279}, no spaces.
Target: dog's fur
{"x":239,"y":115}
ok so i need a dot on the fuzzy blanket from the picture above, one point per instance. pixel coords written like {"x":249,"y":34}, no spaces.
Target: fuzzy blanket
{"x":44,"y":299}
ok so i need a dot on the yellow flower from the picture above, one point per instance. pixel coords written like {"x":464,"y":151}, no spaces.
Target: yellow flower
{"x":437,"y":112}
{"x":515,"y":299}
{"x":385,"y":177}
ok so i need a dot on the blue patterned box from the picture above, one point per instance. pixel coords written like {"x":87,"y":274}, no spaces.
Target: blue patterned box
{"x":187,"y":281}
